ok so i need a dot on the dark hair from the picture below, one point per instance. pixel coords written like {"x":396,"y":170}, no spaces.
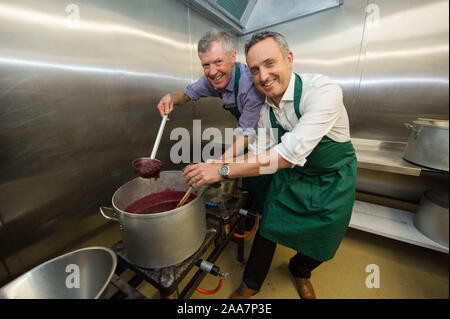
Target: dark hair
{"x":284,"y":47}
{"x":204,"y":44}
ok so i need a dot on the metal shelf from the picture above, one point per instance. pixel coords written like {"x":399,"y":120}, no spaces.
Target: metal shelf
{"x":385,"y":156}
{"x":392,"y":223}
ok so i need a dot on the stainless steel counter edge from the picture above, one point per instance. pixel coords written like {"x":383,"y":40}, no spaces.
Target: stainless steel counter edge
{"x":386,"y":156}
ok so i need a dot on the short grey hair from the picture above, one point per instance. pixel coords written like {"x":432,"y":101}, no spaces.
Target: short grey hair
{"x":282,"y":43}
{"x":205,"y":43}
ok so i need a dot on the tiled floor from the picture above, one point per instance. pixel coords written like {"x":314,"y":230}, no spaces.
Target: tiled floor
{"x":405,"y":271}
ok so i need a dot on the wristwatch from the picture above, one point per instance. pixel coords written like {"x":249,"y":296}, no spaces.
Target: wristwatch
{"x":224,"y":171}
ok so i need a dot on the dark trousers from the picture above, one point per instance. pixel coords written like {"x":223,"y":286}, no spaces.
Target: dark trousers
{"x":261,"y":255}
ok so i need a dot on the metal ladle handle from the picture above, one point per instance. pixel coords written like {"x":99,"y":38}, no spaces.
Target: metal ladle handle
{"x":158,"y":137}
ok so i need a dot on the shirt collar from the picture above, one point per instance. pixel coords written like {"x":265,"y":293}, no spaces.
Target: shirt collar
{"x":288,"y":95}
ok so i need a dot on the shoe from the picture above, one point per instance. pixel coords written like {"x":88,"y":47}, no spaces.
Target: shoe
{"x":243,"y":292}
{"x":305,"y":288}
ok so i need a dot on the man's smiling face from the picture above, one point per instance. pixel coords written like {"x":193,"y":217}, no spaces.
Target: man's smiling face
{"x":271,"y":71}
{"x":218,"y":65}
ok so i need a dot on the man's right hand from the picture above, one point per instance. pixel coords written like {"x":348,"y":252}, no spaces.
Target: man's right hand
{"x":165,"y":105}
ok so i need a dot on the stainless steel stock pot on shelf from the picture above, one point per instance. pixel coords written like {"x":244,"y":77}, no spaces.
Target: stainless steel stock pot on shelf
{"x":428,"y":143}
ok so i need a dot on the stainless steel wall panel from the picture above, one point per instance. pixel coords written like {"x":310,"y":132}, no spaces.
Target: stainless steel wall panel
{"x":404,"y":187}
{"x":327,"y":42}
{"x":78,"y":104}
{"x":390,"y":58}
{"x":404,"y":68}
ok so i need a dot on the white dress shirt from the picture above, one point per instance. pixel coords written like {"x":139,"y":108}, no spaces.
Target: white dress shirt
{"x":322,"y":113}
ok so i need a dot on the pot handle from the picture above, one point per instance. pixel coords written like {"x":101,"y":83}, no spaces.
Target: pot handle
{"x":106,"y":216}
{"x":412,"y":128}
{"x":409,"y":126}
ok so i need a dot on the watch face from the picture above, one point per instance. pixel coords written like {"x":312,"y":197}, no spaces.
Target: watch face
{"x":224,"y":170}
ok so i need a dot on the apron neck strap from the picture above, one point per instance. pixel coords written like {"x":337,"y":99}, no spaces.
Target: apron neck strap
{"x":298,"y":87}
{"x":237,"y":76}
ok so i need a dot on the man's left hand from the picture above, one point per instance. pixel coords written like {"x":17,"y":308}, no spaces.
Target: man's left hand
{"x":203,"y":173}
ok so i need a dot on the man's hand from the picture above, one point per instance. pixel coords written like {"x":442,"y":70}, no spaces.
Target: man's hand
{"x":203,"y":173}
{"x":165,"y":105}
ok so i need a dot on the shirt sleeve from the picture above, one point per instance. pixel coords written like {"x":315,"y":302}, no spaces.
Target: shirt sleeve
{"x":200,"y":88}
{"x":321,"y":111}
{"x":252,"y":103}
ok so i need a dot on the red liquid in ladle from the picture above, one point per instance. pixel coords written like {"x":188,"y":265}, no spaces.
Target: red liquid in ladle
{"x":147,"y":168}
{"x":158,"y":202}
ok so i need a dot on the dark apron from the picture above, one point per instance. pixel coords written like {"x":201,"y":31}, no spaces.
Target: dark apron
{"x":256,"y":186}
{"x":309,"y":208}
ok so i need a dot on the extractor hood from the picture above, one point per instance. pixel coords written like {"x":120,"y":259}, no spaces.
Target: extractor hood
{"x":245,"y":16}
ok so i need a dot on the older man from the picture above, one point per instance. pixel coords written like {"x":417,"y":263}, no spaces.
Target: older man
{"x":307,"y":141}
{"x":232,"y":82}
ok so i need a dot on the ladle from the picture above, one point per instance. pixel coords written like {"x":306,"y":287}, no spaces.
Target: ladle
{"x":148,"y":167}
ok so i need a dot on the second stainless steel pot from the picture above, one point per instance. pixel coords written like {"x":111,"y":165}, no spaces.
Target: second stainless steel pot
{"x":432,"y":216}
{"x":162,"y":239}
{"x":428,"y":143}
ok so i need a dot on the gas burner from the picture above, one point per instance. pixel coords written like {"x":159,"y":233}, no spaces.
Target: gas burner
{"x":165,"y":279}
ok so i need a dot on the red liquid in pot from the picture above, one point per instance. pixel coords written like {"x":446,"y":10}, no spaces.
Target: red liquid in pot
{"x":158,"y":202}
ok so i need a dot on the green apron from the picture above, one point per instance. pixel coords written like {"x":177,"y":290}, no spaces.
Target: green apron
{"x":256,"y":186}
{"x":309,"y":208}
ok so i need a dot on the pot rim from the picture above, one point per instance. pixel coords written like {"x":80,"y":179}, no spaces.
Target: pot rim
{"x":199,"y":193}
{"x":444,"y":124}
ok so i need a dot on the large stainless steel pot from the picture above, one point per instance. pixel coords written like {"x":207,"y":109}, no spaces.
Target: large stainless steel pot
{"x":81,"y":274}
{"x":428,"y":143}
{"x":431,"y":218}
{"x":162,"y":239}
